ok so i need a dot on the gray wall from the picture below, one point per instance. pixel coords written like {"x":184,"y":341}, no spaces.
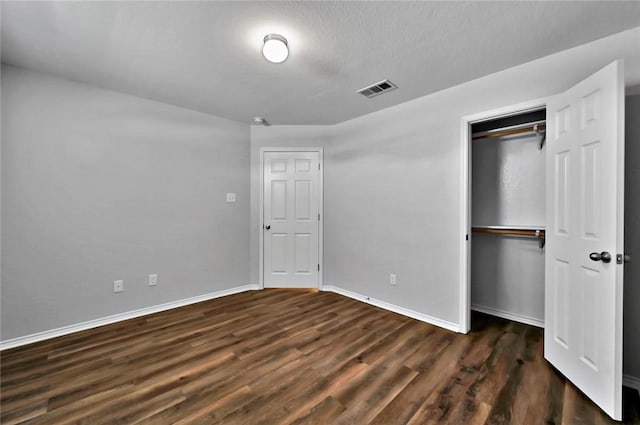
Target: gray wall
{"x":632,"y":238}
{"x":99,"y":186}
{"x":508,"y":179}
{"x":393,"y":179}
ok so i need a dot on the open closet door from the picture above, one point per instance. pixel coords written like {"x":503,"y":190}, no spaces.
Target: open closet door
{"x":584,"y":213}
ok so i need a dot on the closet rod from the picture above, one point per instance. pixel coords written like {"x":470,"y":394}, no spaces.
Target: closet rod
{"x":537,"y":126}
{"x":534,"y":233}
{"x":514,"y":232}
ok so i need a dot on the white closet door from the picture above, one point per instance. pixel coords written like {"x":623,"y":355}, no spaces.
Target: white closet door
{"x":585,"y":204}
{"x":291,"y":220}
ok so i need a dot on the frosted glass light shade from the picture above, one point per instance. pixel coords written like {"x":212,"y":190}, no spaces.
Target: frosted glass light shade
{"x":275,"y":48}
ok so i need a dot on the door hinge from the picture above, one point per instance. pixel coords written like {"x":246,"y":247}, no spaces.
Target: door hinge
{"x":467,"y":237}
{"x":318,"y":166}
{"x":318,"y":216}
{"x":318,"y":267}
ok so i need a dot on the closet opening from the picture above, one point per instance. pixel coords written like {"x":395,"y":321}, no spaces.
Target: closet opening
{"x":506,"y":215}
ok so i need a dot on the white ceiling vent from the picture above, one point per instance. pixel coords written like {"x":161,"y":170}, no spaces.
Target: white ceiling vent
{"x":377,"y":88}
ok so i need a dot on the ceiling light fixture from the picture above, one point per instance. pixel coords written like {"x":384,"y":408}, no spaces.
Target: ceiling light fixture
{"x":275,"y":48}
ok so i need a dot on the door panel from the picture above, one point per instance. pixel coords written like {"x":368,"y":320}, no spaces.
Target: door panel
{"x":278,"y":253}
{"x":561,"y":189}
{"x":291,"y":219}
{"x":590,"y":219}
{"x":588,"y":314}
{"x":279,"y":199}
{"x":302,"y":258}
{"x":560,"y":302}
{"x":303,"y":199}
{"x":585,"y":206}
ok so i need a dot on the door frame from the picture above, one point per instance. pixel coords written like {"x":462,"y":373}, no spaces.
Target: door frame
{"x":465,"y":197}
{"x":320,"y":207}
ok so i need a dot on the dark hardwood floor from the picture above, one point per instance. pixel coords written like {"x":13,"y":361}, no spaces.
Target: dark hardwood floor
{"x":291,"y":357}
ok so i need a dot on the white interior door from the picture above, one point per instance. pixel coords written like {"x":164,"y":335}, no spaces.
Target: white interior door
{"x":585,"y":205}
{"x":291,"y":219}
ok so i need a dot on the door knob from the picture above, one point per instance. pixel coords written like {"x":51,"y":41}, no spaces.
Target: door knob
{"x":267,"y":227}
{"x":603,"y":256}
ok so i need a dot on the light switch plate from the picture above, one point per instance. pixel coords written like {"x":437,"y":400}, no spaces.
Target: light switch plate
{"x":231,"y":197}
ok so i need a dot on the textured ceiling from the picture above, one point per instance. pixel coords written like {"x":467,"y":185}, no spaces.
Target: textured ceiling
{"x":206,"y":55}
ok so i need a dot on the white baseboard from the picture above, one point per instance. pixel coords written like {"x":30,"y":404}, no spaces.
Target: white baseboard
{"x":65,"y":330}
{"x":395,"y":308}
{"x":631,"y":382}
{"x":508,"y":315}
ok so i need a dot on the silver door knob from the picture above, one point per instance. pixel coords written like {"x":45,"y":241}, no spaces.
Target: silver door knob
{"x":603,"y":256}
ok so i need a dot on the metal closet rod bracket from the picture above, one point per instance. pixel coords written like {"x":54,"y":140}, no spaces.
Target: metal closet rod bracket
{"x":542,"y":135}
{"x":541,"y":238}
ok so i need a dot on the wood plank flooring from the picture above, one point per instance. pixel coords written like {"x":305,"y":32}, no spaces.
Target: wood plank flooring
{"x":291,"y":357}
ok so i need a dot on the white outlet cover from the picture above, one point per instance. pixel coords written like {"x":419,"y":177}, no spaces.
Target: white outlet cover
{"x":118,"y":286}
{"x":393,"y":279}
{"x":153,"y":279}
{"x":231,"y":197}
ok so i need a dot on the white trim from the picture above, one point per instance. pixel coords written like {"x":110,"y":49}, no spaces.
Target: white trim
{"x":320,"y":208}
{"x":321,"y":221}
{"x":465,"y":229}
{"x":631,"y":382}
{"x":465,"y":197}
{"x":395,"y":308}
{"x":521,"y":318}
{"x":261,"y":224}
{"x":65,"y":330}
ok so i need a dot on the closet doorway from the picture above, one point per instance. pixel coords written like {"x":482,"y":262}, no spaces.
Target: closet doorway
{"x":503,"y":220}
{"x":580,"y":239}
{"x":508,"y":216}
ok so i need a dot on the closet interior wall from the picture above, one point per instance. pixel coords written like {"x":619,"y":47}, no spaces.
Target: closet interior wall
{"x":508,"y":189}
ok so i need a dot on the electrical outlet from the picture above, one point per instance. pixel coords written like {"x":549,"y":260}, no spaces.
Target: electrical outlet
{"x":231,"y":197}
{"x":118,"y":286}
{"x":153,"y":279}
{"x":393,"y":279}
